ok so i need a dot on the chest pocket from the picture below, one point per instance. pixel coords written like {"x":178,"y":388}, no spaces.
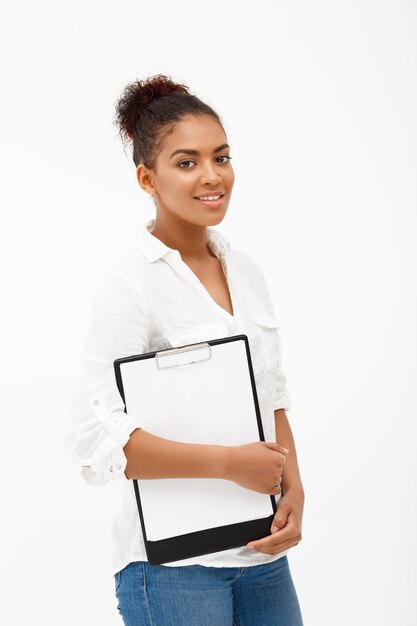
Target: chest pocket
{"x":201,"y":332}
{"x":268,"y":334}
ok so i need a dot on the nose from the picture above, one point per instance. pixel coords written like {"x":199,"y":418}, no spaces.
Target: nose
{"x":209,"y":175}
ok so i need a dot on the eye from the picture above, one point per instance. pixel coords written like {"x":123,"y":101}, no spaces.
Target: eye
{"x":182,"y":163}
{"x":223,"y":156}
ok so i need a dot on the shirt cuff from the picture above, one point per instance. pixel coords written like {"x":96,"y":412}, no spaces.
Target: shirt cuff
{"x":108,"y":461}
{"x":281,"y":399}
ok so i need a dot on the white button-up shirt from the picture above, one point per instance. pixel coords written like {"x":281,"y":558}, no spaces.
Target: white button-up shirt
{"x":152,"y":301}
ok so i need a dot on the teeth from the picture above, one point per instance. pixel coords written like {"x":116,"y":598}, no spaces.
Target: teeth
{"x":209,"y":197}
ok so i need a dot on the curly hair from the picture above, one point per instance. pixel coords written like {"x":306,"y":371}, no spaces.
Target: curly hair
{"x":148,"y":110}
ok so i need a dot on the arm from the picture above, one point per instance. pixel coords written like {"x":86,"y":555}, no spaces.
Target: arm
{"x":149,"y":456}
{"x":291,"y":480}
{"x":99,"y":427}
{"x":254,"y":465}
{"x":286,"y":527}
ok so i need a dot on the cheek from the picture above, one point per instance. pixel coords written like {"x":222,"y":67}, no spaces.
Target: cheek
{"x":179,"y":184}
{"x":230,"y":177}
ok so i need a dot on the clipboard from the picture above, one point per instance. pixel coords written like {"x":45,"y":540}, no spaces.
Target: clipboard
{"x":205,"y":393}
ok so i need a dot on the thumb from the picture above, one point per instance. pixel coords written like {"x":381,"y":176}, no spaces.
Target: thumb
{"x":280,"y":518}
{"x":272,"y":445}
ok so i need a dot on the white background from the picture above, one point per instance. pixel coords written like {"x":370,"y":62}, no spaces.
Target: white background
{"x":319,"y":104}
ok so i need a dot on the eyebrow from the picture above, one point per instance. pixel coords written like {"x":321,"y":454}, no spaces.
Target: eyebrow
{"x":195,"y":152}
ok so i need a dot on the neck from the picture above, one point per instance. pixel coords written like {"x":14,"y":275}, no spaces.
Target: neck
{"x":189,"y":239}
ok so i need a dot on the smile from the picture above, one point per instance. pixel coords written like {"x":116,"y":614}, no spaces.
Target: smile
{"x":216,"y":196}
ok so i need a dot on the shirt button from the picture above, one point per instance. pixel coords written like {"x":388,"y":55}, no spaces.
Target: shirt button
{"x":96,"y":402}
{"x":111,"y":468}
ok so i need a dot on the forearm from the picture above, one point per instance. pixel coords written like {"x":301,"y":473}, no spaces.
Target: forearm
{"x":291,"y":479}
{"x":149,"y":456}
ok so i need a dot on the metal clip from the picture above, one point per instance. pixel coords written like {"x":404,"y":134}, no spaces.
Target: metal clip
{"x":174,"y":357}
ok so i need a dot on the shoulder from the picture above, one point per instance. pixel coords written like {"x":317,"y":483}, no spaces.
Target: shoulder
{"x":133,"y":267}
{"x":122,"y":281}
{"x":130,"y":265}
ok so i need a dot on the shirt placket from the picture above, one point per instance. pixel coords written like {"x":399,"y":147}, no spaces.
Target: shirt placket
{"x":176,"y":262}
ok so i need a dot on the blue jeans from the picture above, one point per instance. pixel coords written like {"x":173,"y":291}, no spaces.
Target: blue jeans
{"x":196,"y":595}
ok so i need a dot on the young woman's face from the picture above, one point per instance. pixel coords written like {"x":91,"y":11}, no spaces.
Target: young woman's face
{"x":182,"y":176}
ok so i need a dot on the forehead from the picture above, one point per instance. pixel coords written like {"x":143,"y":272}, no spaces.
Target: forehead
{"x":198,"y":133}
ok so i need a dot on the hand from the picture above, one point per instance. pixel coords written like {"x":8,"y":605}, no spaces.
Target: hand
{"x":288,"y":521}
{"x":257,"y":466}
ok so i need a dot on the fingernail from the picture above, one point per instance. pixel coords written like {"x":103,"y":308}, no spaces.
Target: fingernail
{"x":274,"y":529}
{"x":286,"y":449}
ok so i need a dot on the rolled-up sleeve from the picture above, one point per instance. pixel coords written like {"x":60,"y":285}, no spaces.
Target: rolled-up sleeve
{"x":99,"y":427}
{"x":281,"y":397}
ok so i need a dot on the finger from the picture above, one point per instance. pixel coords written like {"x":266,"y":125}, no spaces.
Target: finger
{"x":277,"y":547}
{"x":279,"y":536}
{"x":280,"y":547}
{"x":279,"y":521}
{"x":281,"y":517}
{"x":272,"y":445}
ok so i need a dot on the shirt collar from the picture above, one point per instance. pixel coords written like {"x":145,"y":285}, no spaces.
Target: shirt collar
{"x":153,"y":248}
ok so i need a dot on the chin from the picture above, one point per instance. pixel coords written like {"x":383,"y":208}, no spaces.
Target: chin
{"x":216,"y":219}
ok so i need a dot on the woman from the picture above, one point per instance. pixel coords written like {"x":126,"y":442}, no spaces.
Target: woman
{"x":185,"y":283}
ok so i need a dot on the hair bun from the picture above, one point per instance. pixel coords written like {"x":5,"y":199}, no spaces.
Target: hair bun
{"x":136,"y":97}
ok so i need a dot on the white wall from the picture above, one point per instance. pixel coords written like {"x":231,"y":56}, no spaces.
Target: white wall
{"x":319,"y":102}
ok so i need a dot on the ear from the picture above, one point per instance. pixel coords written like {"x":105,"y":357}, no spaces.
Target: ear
{"x":145,"y":179}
